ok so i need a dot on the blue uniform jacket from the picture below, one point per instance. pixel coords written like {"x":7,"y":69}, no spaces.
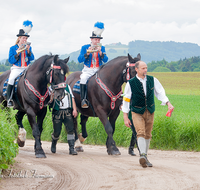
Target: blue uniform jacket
{"x":88,"y":61}
{"x":12,"y":56}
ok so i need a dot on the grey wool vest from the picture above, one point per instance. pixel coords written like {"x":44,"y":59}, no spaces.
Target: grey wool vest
{"x":140,"y":102}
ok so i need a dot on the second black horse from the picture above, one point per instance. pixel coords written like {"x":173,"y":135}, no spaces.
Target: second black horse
{"x":104,"y":92}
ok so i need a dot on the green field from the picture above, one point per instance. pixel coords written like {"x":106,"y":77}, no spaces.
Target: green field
{"x":179,"y":132}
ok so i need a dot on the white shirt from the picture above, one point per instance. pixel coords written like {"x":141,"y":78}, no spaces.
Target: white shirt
{"x":159,"y":92}
{"x":65,"y":101}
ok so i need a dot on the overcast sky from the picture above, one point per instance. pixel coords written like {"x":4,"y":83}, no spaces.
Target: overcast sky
{"x":63,"y":26}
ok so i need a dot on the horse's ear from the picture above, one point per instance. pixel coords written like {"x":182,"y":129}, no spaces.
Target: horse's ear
{"x":139,"y":56}
{"x":55,"y":59}
{"x":130,"y":59}
{"x":66,"y":60}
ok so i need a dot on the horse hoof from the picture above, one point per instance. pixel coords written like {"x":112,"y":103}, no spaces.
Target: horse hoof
{"x":40,"y":156}
{"x":114,"y":152}
{"x":20,"y":143}
{"x":79,"y":149}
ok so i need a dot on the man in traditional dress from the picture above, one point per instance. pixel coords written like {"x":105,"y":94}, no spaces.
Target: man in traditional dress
{"x":140,"y":92}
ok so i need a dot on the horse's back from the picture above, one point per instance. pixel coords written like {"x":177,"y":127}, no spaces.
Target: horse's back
{"x":73,"y":78}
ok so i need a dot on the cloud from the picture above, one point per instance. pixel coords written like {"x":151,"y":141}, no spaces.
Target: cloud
{"x":64,"y":26}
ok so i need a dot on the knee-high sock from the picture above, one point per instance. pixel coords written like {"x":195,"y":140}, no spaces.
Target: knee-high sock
{"x":142,"y":145}
{"x":147,"y":144}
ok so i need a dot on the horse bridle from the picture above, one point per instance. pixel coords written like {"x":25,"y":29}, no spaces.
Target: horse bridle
{"x":54,"y":87}
{"x":128,"y":64}
{"x":49,"y":72}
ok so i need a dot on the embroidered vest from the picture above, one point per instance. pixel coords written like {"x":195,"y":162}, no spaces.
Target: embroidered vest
{"x":56,"y":104}
{"x":140,"y":102}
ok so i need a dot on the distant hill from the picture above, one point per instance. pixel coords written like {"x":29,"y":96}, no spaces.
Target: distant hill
{"x":150,"y":51}
{"x":170,"y":51}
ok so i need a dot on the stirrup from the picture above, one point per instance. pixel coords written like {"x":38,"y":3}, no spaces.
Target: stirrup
{"x":84,"y":103}
{"x":9,"y":103}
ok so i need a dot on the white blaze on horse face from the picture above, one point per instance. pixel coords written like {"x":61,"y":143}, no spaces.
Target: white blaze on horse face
{"x":22,"y":134}
{"x":62,"y":72}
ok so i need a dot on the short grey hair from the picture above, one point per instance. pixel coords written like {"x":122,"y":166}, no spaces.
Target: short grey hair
{"x":137,"y":64}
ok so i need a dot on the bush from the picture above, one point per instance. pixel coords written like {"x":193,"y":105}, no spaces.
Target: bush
{"x":8,"y":148}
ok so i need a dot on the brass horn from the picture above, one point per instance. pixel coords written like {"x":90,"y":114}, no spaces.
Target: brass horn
{"x":94,"y":48}
{"x":23,"y":47}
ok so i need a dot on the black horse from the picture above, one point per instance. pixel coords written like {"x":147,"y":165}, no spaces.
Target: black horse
{"x":32,"y":95}
{"x":104,"y":91}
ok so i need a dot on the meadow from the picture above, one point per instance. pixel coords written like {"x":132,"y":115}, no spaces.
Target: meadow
{"x":181,"y":131}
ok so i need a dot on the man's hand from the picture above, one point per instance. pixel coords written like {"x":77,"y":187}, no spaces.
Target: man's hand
{"x":127,"y":122}
{"x":75,"y":113}
{"x":170,"y":106}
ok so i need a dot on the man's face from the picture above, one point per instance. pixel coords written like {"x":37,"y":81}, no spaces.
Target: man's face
{"x":95,"y":41}
{"x":142,"y":70}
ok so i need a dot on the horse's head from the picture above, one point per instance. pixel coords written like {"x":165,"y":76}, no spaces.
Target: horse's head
{"x":130,"y":67}
{"x":59,"y":69}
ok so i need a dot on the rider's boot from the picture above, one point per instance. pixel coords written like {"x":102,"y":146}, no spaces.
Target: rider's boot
{"x":84,"y":103}
{"x":9,"y":95}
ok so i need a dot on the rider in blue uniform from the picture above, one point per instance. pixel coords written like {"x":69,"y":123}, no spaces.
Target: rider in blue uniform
{"x":93,"y":55}
{"x":20,"y":56}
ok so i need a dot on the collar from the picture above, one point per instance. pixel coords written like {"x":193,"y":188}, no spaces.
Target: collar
{"x":140,"y":79}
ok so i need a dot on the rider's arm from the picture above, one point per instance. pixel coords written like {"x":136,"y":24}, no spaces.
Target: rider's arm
{"x":103,"y":57}
{"x":83,"y":54}
{"x":13,"y":57}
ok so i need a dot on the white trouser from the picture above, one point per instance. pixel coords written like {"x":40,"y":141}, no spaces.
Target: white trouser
{"x":87,"y":73}
{"x":15,"y":71}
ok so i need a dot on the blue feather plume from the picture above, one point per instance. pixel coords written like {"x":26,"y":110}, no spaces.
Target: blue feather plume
{"x":99,"y":25}
{"x":27,"y":26}
{"x":27,"y":23}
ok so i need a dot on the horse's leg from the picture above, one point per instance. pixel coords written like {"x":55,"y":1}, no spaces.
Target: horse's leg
{"x":78,"y":146}
{"x":83,"y":125}
{"x":110,"y":143}
{"x":40,"y":119}
{"x":22,"y":132}
{"x":39,"y":153}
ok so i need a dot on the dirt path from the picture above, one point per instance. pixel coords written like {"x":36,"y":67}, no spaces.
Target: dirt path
{"x":94,"y":169}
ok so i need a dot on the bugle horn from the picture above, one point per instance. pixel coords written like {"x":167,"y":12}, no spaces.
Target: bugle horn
{"x":23,"y":47}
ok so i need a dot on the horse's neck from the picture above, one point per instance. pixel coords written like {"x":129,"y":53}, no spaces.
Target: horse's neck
{"x":38,"y":79}
{"x":112,"y":77}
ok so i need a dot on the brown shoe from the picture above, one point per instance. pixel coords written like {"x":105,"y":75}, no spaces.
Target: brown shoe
{"x":143,"y":160}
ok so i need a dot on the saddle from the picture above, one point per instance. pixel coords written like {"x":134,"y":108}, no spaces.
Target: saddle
{"x":5,"y":85}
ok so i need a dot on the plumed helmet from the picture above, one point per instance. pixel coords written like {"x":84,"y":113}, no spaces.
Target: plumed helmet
{"x":98,"y":29}
{"x":26,"y":28}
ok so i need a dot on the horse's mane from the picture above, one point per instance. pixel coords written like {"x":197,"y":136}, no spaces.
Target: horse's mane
{"x":41,"y":61}
{"x":113,"y":61}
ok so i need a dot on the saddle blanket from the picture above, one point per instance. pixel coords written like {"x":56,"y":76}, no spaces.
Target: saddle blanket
{"x":5,"y":85}
{"x":76,"y":87}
